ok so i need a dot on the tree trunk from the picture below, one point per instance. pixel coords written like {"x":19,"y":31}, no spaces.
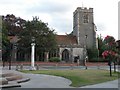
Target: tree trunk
{"x":10,"y":64}
{"x":110,"y":69}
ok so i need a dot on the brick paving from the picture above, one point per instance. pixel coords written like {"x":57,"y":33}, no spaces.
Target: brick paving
{"x":58,"y":64}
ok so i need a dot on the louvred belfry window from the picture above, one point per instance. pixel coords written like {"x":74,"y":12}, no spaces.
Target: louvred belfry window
{"x":85,"y":17}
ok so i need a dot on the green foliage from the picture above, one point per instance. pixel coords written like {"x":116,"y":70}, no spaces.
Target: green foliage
{"x":11,"y":26}
{"x":101,"y":45}
{"x":54,"y":59}
{"x":107,"y":43}
{"x":92,"y":53}
{"x":110,"y":43}
{"x":100,"y":59}
{"x":14,"y":24}
{"x":6,"y":46}
{"x":110,"y":51}
{"x":5,"y":40}
{"x":44,"y":36}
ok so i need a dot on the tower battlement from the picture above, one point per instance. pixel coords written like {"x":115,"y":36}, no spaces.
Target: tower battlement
{"x":83,"y":9}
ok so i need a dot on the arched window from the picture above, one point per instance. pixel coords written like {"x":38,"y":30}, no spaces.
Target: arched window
{"x":65,"y":55}
{"x":85,"y":17}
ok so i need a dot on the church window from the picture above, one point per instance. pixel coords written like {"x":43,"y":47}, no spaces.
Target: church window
{"x":85,"y":17}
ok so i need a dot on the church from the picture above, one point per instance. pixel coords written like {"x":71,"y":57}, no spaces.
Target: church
{"x":74,"y":46}
{"x":82,"y":37}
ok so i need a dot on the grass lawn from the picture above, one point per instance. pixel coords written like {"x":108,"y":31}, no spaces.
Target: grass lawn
{"x":79,"y":77}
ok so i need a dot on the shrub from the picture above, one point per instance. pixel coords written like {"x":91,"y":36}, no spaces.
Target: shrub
{"x":100,"y":60}
{"x":54,"y":59}
{"x":92,"y":53}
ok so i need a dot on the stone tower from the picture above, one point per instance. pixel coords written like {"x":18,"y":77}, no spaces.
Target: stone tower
{"x":84,"y":28}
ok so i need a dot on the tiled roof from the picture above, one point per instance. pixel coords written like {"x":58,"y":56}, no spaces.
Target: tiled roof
{"x":61,"y":39}
{"x":66,"y":40}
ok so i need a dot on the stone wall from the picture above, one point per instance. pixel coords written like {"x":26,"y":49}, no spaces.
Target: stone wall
{"x":81,"y":29}
{"x":73,"y":52}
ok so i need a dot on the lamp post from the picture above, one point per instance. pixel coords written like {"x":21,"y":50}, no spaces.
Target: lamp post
{"x":0,"y":54}
{"x":86,"y":36}
{"x":86,"y":51}
{"x":118,"y":45}
{"x":118,"y":49}
{"x":10,"y":47}
{"x":15,"y":48}
{"x":98,"y":51}
{"x":33,"y":54}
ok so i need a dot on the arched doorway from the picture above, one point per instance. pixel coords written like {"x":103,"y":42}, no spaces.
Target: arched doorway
{"x":65,"y":55}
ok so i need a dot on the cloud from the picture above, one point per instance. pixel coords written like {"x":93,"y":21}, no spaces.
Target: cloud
{"x":63,"y":24}
{"x":10,"y":2}
{"x":100,"y":27}
{"x":59,"y":14}
{"x":48,"y":6}
{"x":56,"y":13}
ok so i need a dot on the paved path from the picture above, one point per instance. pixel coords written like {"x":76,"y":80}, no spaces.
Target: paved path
{"x":42,"y":81}
{"x":48,"y":81}
{"x":109,"y":84}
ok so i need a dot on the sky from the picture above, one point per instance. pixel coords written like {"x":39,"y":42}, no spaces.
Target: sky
{"x":59,"y":13}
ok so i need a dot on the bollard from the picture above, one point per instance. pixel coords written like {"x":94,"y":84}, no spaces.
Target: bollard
{"x":56,"y":65}
{"x":37,"y":67}
{"x":71,"y":66}
{"x":85,"y":63}
{"x":85,"y":67}
{"x":21,"y":67}
{"x":17,"y":67}
{"x":78,"y":62}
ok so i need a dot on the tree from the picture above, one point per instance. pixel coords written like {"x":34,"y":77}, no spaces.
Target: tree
{"x":101,"y":45}
{"x":14,"y":24}
{"x":93,"y":53}
{"x":4,"y":38}
{"x":44,"y":37}
{"x":5,"y":44}
{"x":11,"y":26}
{"x":110,"y":51}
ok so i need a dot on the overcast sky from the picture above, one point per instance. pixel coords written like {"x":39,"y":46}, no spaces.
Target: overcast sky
{"x":59,"y":13}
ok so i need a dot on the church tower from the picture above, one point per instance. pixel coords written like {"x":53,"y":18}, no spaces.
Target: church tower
{"x":84,"y":28}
